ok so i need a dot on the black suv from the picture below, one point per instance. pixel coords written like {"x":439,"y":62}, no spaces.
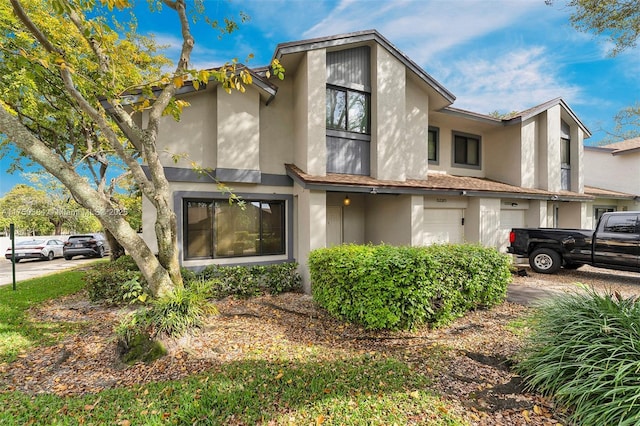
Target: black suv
{"x":88,"y":245}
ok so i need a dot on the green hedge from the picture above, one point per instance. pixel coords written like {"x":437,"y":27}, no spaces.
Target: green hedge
{"x":111,"y":282}
{"x":121,"y":281}
{"x":247,"y":281}
{"x":387,"y":287}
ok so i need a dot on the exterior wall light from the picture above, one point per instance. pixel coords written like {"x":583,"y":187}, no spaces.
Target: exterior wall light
{"x":346,"y":201}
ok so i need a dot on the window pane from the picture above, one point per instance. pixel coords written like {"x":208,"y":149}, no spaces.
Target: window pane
{"x":433,"y":145}
{"x":236,"y":229}
{"x":473,"y":151}
{"x":336,"y":109}
{"x":199,"y":223}
{"x":565,"y":151}
{"x":272,"y":228}
{"x":358,"y":112}
{"x":460,"y":150}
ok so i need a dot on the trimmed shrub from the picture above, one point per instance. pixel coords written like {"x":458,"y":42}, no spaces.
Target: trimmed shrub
{"x":248,"y":281}
{"x":584,"y":350}
{"x":387,"y":287}
{"x":115,"y":282}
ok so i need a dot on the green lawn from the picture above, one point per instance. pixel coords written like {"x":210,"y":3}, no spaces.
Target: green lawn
{"x":358,"y":389}
{"x":353,"y":391}
{"x":17,"y":332}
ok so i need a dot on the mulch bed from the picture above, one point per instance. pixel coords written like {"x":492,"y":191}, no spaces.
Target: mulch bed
{"x":472,"y":371}
{"x":473,"y":355}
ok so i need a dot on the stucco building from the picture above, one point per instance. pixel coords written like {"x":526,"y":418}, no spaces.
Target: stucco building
{"x":612,"y":177}
{"x":359,"y":144}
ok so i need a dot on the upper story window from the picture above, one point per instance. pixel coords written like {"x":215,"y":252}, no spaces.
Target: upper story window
{"x":434,"y":145}
{"x":466,"y":150}
{"x":348,"y":110}
{"x":565,"y":156}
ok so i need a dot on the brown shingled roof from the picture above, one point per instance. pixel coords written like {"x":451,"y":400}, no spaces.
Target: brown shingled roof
{"x":624,"y":146}
{"x":606,"y":193}
{"x":435,"y":182}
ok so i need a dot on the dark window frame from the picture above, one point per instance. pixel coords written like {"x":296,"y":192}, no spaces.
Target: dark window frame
{"x":467,"y":137}
{"x":213,"y":231}
{"x":436,"y":141}
{"x":347,"y":91}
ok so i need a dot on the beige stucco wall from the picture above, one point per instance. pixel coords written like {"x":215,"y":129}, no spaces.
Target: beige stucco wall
{"x":504,"y":155}
{"x":388,"y":155}
{"x":572,"y":215}
{"x":529,"y":172}
{"x":238,"y":118}
{"x":277,"y":137}
{"x":618,"y":173}
{"x":194,"y":137}
{"x":482,"y":221}
{"x":388,"y":219}
{"x":551,"y":160}
{"x":536,"y":216}
{"x":309,"y":109}
{"x":310,"y":230}
{"x":415,"y":146}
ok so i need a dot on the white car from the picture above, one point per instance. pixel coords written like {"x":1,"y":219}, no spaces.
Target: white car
{"x":47,"y":249}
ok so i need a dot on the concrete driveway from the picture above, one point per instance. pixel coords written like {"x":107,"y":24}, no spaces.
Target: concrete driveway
{"x":27,"y":269}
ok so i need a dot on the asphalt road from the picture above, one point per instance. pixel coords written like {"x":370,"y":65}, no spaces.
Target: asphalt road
{"x":27,"y":269}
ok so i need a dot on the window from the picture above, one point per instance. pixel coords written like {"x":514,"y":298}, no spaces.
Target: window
{"x":599,"y":211}
{"x":434,"y":141}
{"x":348,"y":110}
{"x":215,"y":228}
{"x":466,"y":150}
{"x":565,"y":156}
{"x":626,"y":224}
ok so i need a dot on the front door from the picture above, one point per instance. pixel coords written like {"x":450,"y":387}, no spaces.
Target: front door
{"x":334,"y":226}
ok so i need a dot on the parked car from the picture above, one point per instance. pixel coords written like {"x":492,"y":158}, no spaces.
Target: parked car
{"x":88,"y":245}
{"x":615,"y":244}
{"x":47,"y":249}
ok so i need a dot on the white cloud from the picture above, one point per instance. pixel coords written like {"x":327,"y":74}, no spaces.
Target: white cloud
{"x":424,"y":28}
{"x":515,"y":81}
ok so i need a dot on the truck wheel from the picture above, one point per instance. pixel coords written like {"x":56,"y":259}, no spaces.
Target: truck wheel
{"x":545,"y":261}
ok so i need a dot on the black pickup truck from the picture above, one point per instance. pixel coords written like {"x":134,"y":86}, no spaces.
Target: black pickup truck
{"x":615,"y":244}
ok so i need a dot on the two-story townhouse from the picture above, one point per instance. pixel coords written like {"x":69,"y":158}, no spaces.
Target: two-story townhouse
{"x":612,"y":176}
{"x":359,"y":144}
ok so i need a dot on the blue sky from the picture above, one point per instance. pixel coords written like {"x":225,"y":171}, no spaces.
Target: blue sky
{"x":492,"y":55}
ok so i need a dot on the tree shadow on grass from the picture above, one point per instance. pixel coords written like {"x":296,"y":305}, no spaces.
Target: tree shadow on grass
{"x":357,"y":390}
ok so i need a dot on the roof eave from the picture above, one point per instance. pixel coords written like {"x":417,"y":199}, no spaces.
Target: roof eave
{"x":359,"y":37}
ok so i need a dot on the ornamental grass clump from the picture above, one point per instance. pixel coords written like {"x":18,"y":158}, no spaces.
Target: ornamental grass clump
{"x":584,"y":350}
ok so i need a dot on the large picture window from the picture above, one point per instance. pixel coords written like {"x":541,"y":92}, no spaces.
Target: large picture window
{"x":466,"y":150}
{"x":216,"y":229}
{"x":348,"y":110}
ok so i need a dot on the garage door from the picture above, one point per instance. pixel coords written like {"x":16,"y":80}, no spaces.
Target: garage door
{"x":509,"y":219}
{"x":443,"y":226}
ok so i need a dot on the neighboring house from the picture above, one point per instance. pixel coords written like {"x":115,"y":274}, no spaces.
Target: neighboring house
{"x":612,"y":173}
{"x":359,"y":144}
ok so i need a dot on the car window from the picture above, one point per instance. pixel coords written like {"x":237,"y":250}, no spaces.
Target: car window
{"x":29,"y":242}
{"x":625,"y":224}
